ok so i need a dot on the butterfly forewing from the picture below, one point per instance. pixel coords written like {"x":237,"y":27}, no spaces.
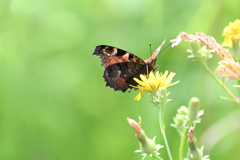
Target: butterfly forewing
{"x":110,"y":55}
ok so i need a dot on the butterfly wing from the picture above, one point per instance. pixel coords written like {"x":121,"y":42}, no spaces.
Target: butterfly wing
{"x":110,"y":55}
{"x":119,"y":75}
{"x":121,"y":66}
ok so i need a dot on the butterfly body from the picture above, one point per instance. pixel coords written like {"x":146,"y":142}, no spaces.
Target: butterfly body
{"x":121,"y":66}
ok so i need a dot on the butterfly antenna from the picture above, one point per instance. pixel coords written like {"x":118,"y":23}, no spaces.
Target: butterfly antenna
{"x":165,"y":48}
{"x":150,"y":45}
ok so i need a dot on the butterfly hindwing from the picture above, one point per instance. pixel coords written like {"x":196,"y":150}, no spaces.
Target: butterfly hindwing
{"x":119,"y":75}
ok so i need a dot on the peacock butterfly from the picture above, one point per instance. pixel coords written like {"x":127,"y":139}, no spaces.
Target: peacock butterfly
{"x":121,"y":66}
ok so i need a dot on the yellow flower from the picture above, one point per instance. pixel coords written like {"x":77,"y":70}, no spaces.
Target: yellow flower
{"x":231,"y":32}
{"x":152,"y":83}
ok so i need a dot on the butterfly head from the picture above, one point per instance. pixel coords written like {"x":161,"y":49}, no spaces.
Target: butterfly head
{"x":150,"y":62}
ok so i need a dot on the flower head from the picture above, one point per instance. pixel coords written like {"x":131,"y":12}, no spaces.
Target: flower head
{"x":154,"y":154}
{"x":210,"y":42}
{"x":230,"y":69}
{"x":231,"y":32}
{"x":180,"y":120}
{"x":152,"y":83}
{"x":147,"y":145}
{"x":194,"y":152}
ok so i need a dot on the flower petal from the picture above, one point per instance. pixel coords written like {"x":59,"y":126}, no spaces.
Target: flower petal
{"x":139,"y":96}
{"x":141,"y":82}
{"x":153,"y":81}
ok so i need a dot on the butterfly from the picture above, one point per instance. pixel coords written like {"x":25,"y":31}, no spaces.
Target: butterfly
{"x":121,"y":66}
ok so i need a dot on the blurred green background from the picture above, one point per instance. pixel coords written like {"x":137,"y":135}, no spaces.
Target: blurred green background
{"x":53,"y":101}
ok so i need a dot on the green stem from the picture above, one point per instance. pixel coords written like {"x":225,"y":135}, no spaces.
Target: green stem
{"x":183,"y":137}
{"x":235,"y":51}
{"x":238,"y":92}
{"x":162,"y":127}
{"x":238,"y":88}
{"x":236,"y":100}
{"x":181,"y":147}
{"x":227,"y":99}
{"x":236,"y":55}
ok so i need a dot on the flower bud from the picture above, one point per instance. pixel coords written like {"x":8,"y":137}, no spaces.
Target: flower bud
{"x":180,"y":120}
{"x":148,"y":146}
{"x":163,"y":96}
{"x":193,"y":108}
{"x":194,"y":152}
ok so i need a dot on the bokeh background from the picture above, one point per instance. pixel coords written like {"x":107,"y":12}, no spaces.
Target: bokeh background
{"x":53,"y":101}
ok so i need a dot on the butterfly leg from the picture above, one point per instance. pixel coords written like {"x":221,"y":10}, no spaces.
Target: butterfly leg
{"x":129,"y":90}
{"x":156,"y":67}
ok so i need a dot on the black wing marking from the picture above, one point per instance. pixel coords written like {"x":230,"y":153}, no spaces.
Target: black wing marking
{"x":118,"y":76}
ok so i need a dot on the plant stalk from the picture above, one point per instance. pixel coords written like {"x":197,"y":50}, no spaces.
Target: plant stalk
{"x":162,"y":127}
{"x":236,"y":100}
